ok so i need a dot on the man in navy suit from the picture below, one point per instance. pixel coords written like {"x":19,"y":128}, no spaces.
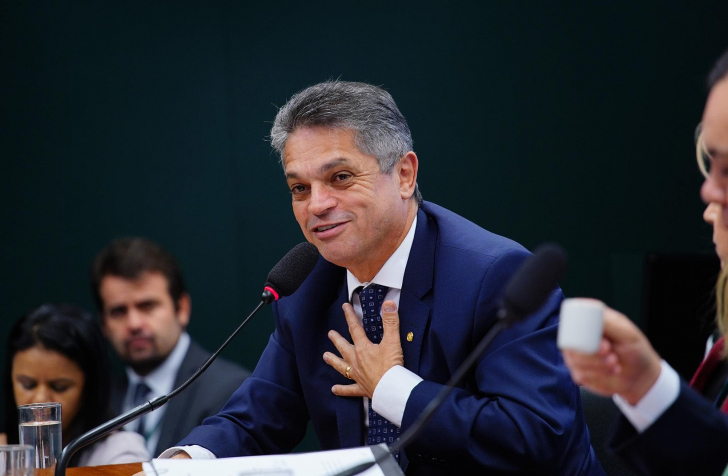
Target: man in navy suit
{"x":347,"y":155}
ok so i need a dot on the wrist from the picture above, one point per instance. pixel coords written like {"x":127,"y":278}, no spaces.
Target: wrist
{"x":643,"y":383}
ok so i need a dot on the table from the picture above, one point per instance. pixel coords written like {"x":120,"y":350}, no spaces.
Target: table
{"x":108,"y":470}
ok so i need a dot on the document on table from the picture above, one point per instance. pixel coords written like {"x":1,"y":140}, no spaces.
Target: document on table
{"x":320,"y":463}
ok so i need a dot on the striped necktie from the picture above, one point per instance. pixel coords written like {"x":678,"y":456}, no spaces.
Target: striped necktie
{"x":140,"y":396}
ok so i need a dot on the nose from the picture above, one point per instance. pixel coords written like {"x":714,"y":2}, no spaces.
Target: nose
{"x":42,"y":394}
{"x":321,"y":200}
{"x":134,"y":320}
{"x":713,"y":192}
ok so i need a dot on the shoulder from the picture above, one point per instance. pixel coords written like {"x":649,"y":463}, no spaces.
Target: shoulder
{"x":458,"y":237}
{"x":117,"y":448}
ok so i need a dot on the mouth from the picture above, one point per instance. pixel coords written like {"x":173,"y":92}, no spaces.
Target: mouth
{"x":319,"y":229}
{"x":138,"y":342}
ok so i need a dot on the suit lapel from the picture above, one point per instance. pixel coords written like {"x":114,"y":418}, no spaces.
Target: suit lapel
{"x":349,"y":417}
{"x":414,"y":313}
{"x":179,"y":405}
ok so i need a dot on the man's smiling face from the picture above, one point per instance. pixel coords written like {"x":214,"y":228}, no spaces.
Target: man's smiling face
{"x":352,"y":212}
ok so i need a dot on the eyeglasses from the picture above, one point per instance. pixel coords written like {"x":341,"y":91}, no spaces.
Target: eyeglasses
{"x":701,"y":153}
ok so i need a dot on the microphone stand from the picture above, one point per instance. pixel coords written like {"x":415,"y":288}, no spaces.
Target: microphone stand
{"x":118,"y":422}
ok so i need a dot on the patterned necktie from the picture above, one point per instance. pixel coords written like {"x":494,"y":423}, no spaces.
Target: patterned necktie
{"x":381,"y":430}
{"x":140,"y":396}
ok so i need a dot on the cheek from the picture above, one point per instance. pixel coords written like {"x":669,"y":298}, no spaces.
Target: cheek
{"x":70,"y":403}
{"x":22,"y":396}
{"x":114,"y":331}
{"x":299,"y":212}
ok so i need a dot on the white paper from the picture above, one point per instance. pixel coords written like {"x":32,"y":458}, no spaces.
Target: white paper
{"x":320,"y":463}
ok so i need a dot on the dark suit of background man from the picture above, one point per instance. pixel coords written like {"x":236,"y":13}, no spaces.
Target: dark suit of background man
{"x":347,"y":155}
{"x":141,"y":296}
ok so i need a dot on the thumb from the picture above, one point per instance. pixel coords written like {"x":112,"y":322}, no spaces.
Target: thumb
{"x":390,"y":318}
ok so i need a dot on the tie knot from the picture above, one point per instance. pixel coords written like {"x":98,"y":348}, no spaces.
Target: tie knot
{"x":140,"y":393}
{"x":372,"y":293}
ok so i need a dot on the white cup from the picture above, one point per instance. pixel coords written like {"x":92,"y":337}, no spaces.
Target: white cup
{"x":581,"y":324}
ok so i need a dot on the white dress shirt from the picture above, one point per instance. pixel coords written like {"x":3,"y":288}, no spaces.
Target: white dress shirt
{"x":161,"y":382}
{"x":658,"y":398}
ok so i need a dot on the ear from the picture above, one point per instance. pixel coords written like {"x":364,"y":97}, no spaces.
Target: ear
{"x":184,"y":307}
{"x":406,"y":170}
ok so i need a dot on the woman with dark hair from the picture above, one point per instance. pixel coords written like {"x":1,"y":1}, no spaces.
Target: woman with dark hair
{"x":57,"y":353}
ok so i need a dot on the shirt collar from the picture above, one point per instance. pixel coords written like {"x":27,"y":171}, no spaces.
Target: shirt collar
{"x":161,"y":379}
{"x":391,"y":273}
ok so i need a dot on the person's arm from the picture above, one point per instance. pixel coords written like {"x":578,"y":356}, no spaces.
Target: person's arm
{"x":627,"y":368}
{"x":272,"y":396}
{"x":672,"y":429}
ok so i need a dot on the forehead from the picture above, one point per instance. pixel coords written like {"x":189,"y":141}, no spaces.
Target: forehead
{"x":315,"y":146}
{"x":715,"y":121}
{"x":149,"y":283}
{"x":39,"y":361}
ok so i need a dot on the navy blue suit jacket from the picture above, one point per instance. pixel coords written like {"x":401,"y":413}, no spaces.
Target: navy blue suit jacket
{"x":691,"y":437}
{"x":517,"y":412}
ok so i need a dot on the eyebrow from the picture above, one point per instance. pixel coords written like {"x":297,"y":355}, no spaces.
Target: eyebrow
{"x":716,"y":153}
{"x":323,"y":169}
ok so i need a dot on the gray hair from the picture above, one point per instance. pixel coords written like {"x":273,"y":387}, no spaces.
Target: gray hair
{"x":380,"y":130}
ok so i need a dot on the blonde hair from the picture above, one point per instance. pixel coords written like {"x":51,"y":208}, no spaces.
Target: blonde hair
{"x":721,"y":306}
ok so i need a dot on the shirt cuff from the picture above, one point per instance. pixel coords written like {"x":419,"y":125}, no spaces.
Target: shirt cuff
{"x":657,"y":399}
{"x":391,"y":395}
{"x":195,"y":452}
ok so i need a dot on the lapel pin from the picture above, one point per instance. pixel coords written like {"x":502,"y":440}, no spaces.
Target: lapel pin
{"x":410,"y":336}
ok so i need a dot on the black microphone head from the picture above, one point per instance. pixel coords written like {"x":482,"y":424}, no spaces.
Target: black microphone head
{"x":291,"y":271}
{"x":534,"y":281}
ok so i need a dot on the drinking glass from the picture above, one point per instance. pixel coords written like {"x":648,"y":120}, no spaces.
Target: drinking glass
{"x":17,"y":460}
{"x":40,"y":427}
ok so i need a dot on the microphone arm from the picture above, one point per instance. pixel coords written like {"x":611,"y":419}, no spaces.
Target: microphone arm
{"x":118,"y":422}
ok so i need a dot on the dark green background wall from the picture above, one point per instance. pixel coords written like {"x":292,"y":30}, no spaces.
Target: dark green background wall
{"x":539,"y":122}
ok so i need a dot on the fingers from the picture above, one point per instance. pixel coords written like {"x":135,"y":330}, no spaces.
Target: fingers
{"x":353,"y":390}
{"x":355,"y":328}
{"x":390,"y":321}
{"x":342,"y":345}
{"x":339,"y":364}
{"x":585,"y":368}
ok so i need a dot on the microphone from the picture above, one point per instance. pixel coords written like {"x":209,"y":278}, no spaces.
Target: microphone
{"x":288,"y":274}
{"x":283,"y":280}
{"x":532,"y":283}
{"x":526,"y":291}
